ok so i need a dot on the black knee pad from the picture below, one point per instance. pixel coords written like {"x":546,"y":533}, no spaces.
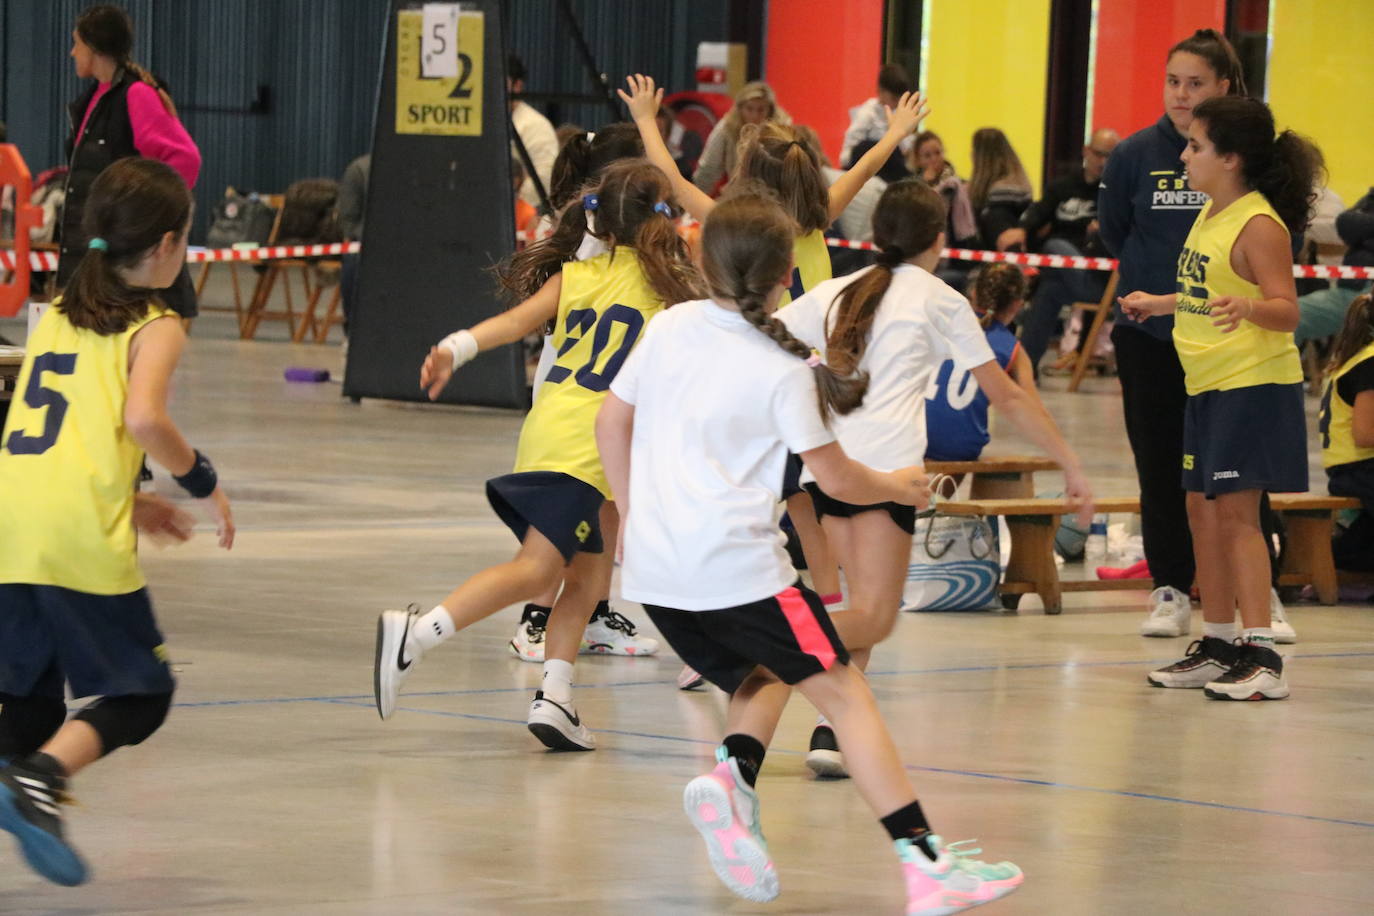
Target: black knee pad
{"x":126,"y":720}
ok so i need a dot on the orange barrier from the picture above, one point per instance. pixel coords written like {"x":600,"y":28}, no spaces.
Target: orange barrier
{"x":14,"y":279}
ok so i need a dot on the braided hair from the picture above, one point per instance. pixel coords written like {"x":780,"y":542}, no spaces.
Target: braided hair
{"x":746,"y":251}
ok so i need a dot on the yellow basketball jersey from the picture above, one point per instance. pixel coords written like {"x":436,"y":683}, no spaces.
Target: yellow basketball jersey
{"x":1336,"y":421}
{"x":1249,"y":355}
{"x":810,"y":265}
{"x":68,"y":466}
{"x":605,"y":303}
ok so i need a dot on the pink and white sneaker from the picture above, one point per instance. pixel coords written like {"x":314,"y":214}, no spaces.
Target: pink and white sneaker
{"x":954,"y":882}
{"x":725,"y":810}
{"x":689,"y":678}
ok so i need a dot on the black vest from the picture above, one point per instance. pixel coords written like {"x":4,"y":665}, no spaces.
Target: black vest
{"x":108,"y":135}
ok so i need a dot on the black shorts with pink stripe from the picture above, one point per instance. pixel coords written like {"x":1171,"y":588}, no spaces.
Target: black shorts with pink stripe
{"x":790,"y":634}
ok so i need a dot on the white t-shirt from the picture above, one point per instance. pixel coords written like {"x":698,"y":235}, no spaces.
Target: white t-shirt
{"x":718,"y":405}
{"x":920,"y":323}
{"x":541,"y":142}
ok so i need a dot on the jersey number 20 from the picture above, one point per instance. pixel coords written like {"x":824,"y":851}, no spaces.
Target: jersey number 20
{"x":579,"y":321}
{"x":38,"y":397}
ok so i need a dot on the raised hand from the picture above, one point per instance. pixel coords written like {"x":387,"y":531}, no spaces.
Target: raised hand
{"x":911,"y":110}
{"x":643,"y":98}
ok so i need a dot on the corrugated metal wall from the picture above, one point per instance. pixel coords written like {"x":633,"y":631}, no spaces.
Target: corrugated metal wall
{"x":319,"y":60}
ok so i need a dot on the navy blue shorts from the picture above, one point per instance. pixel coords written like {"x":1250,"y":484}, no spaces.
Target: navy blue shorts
{"x":102,"y":645}
{"x":1251,"y":438}
{"x":790,"y":634}
{"x":564,"y":509}
{"x":903,"y":516}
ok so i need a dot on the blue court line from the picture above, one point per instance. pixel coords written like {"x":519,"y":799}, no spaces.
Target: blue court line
{"x":1019,"y":780}
{"x":473,"y":691}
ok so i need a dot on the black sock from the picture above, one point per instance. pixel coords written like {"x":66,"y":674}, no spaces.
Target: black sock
{"x":26,"y":723}
{"x":46,"y":764}
{"x":748,"y":752}
{"x":909,"y":823}
{"x":603,"y":608}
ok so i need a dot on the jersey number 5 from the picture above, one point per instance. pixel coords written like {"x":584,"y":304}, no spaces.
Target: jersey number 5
{"x":580,"y":321}
{"x":38,"y":397}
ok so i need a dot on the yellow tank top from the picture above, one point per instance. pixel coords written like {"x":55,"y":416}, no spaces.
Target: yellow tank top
{"x":68,"y":466}
{"x":811,"y":265}
{"x":1249,"y":355}
{"x":603,"y":308}
{"x":1336,"y":421}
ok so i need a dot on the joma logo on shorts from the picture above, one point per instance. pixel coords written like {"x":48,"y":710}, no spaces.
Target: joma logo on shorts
{"x":1225,"y":475}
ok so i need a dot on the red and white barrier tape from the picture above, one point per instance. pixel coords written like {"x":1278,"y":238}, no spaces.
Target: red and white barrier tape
{"x":47,"y":260}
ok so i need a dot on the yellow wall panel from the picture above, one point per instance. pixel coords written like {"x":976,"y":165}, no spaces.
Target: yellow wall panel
{"x":986,"y":67}
{"x":1321,"y":73}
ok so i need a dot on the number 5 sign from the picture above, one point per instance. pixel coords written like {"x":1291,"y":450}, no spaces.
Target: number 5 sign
{"x":439,"y":71}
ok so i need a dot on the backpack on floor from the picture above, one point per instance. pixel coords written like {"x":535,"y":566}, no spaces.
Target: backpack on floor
{"x":956,"y":565}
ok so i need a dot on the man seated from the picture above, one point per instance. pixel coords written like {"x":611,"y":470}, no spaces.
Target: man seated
{"x":1323,"y":312}
{"x":1064,"y":222}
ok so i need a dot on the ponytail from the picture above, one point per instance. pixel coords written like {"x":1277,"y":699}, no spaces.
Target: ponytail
{"x":132,"y":206}
{"x":997,"y":288}
{"x":1286,"y":169}
{"x":107,"y":30}
{"x":907,"y":221}
{"x":1356,"y":334}
{"x":585,"y":156}
{"x":778,"y":158}
{"x":525,"y":272}
{"x":666,"y":260}
{"x":746,"y":247}
{"x":1220,"y":54}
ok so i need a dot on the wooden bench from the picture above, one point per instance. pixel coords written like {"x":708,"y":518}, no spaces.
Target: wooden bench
{"x":996,"y":476}
{"x":1308,"y":517}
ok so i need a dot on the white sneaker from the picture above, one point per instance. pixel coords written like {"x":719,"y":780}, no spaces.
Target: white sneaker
{"x":612,"y":633}
{"x":1278,"y":621}
{"x":394,"y":660}
{"x":1256,"y":675}
{"x":528,"y":642}
{"x":557,"y":725}
{"x":1171,"y":613}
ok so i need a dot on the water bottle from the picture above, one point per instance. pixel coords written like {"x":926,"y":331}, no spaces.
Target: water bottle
{"x":1095,"y":549}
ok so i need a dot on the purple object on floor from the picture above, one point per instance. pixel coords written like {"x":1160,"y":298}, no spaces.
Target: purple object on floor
{"x":302,"y":374}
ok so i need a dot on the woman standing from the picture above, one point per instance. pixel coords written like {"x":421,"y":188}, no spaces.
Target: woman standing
{"x":126,"y":112}
{"x":1145,"y":210}
{"x":755,"y":104}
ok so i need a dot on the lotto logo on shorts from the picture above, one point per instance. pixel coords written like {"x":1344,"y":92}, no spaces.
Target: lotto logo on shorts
{"x":160,"y":652}
{"x":1187,"y":462}
{"x":583,"y":530}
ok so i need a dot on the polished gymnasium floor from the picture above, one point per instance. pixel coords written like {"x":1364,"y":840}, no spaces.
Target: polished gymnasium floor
{"x":275,"y":789}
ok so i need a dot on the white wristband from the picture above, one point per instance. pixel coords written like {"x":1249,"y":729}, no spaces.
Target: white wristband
{"x":461,"y":345}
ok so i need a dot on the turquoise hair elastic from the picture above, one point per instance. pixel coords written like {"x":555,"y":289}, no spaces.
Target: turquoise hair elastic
{"x":98,"y":244}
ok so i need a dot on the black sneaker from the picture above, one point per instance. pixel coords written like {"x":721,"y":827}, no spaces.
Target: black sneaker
{"x":824,"y":758}
{"x":1206,"y":660}
{"x":528,"y":642}
{"x":1256,"y":675}
{"x":28,"y":809}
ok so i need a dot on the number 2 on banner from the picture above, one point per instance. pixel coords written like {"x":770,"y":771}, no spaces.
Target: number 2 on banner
{"x":439,"y":44}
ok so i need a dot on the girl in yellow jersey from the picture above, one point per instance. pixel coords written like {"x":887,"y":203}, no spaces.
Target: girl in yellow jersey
{"x":73,"y":606}
{"x":556,"y":500}
{"x":1244,"y":429}
{"x":1347,"y":431}
{"x":778,"y":158}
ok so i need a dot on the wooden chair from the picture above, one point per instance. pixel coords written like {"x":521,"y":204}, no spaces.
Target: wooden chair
{"x":1100,"y":309}
{"x":233,"y":279}
{"x":258,"y":310}
{"x":318,"y":328}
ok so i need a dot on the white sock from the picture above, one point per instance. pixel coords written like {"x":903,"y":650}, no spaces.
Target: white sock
{"x":431,"y":629}
{"x":822,"y":720}
{"x":1260,"y":636}
{"x":1226,"y":632}
{"x":557,"y":685}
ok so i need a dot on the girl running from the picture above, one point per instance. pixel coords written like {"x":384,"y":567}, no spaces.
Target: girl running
{"x":697,"y":469}
{"x":1347,"y":430}
{"x":1234,"y":315}
{"x":74,"y":609}
{"x":581,"y":160}
{"x":556,"y":500}
{"x":778,"y":158}
{"x":896,"y":322}
{"x":957,"y":409}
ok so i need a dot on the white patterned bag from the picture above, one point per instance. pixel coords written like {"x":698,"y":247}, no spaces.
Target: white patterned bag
{"x":956,"y":565}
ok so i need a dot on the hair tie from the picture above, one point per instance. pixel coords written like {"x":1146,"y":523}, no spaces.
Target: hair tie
{"x":814,"y":359}
{"x":590,"y":202}
{"x":662,"y":207}
{"x":98,"y":244}
{"x":591,"y":135}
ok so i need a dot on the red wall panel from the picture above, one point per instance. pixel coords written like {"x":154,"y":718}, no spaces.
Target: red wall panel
{"x":822,"y":58}
{"x":1133,"y":39}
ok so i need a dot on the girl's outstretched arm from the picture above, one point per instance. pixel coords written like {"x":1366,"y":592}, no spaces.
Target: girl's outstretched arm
{"x":506,"y":328}
{"x":643,"y":100}
{"x":910,"y":111}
